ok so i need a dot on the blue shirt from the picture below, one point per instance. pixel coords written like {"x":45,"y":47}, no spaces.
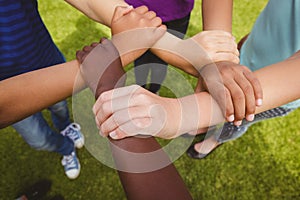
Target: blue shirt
{"x":25,"y":43}
{"x":274,"y":37}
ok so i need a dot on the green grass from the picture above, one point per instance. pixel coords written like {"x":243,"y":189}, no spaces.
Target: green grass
{"x":263,"y":164}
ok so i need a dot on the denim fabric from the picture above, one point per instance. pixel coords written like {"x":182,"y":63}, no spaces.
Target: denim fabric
{"x":38,"y":134}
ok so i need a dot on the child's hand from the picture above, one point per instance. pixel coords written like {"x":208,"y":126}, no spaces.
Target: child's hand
{"x":218,"y":45}
{"x":100,"y":61}
{"x":132,"y":110}
{"x":82,"y":54}
{"x":234,"y":87}
{"x":134,"y":31}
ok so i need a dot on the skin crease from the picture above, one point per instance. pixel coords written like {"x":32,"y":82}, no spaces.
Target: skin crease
{"x":272,"y":78}
{"x":136,"y":185}
{"x":43,"y":84}
{"x":41,"y":91}
{"x":216,"y":19}
{"x":28,"y":110}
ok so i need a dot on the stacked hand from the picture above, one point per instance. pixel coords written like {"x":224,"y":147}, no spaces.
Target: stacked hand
{"x":218,"y":45}
{"x":234,"y":87}
{"x":135,"y":31}
{"x":132,"y":110}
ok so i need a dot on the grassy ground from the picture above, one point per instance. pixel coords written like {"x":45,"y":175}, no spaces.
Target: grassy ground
{"x":263,"y":164}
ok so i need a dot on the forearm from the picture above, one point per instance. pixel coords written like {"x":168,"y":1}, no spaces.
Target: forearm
{"x":217,"y":15}
{"x":187,"y":55}
{"x":26,"y":94}
{"x":280,"y":84}
{"x":98,"y":10}
{"x":154,"y":183}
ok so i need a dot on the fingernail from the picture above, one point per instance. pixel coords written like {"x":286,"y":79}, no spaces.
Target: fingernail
{"x":113,"y":135}
{"x":230,"y":118}
{"x":238,"y":123}
{"x":250,"y":117}
{"x":259,"y":102}
{"x":130,"y":7}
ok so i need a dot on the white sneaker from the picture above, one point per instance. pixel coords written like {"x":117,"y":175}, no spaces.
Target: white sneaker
{"x":73,"y":132}
{"x":71,"y":165}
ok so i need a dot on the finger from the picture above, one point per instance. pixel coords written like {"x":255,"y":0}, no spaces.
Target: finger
{"x":150,"y":14}
{"x":94,"y":44}
{"x":126,"y":130}
{"x":107,"y":108}
{"x":141,"y":9}
{"x":225,"y":56}
{"x":156,"y":21}
{"x":121,"y":11}
{"x":139,"y":126}
{"x":123,"y":116}
{"x":159,"y":32}
{"x":258,"y":92}
{"x":224,"y":100}
{"x":88,"y":49}
{"x":115,"y":93}
{"x":79,"y":56}
{"x":248,"y":91}
{"x":223,"y":97}
{"x":103,"y":39}
{"x":223,"y":48}
{"x":238,"y":99}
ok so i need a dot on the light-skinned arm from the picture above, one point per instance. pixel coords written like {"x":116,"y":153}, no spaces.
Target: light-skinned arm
{"x":26,"y":94}
{"x":102,"y":11}
{"x":242,"y":91}
{"x":280,"y":83}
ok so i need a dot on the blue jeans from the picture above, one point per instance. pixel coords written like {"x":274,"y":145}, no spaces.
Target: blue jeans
{"x":38,"y":134}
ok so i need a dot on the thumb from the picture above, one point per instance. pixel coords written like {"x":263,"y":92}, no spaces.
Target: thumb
{"x":120,"y":11}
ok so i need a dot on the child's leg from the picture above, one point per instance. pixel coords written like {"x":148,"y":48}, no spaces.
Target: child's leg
{"x":38,"y":134}
{"x":60,"y":115}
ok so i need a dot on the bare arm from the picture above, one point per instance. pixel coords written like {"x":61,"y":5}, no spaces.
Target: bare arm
{"x":26,"y":94}
{"x":102,"y":11}
{"x":99,"y":10}
{"x":280,"y":83}
{"x":217,"y":15}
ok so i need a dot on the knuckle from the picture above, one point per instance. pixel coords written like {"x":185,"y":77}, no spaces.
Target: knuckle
{"x":239,"y":117}
{"x":105,"y":107}
{"x":256,"y":84}
{"x":248,"y":89}
{"x":133,"y":14}
{"x":103,"y":129}
{"x":246,"y":69}
{"x":238,"y":96}
{"x":229,"y":109}
{"x":144,"y":7}
{"x":139,"y":123}
{"x":152,"y":13}
{"x":117,"y":119}
{"x":141,"y":97}
{"x":251,"y":109}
